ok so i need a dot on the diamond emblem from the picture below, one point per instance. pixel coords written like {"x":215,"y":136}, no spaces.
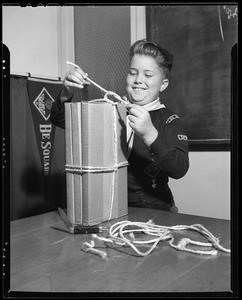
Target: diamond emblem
{"x":43,"y":103}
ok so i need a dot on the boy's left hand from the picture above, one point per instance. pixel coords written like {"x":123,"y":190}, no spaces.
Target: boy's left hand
{"x":141,"y":123}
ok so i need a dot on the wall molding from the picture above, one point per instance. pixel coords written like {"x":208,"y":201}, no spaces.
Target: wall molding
{"x":137,"y":24}
{"x":66,"y":42}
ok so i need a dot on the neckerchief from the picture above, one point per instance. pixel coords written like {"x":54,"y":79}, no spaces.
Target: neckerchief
{"x":151,"y":106}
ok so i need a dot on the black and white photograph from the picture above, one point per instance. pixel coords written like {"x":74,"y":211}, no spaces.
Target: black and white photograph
{"x":120,"y":150}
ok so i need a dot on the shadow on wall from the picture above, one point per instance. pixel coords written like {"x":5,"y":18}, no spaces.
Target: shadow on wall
{"x":38,"y":200}
{"x":31,"y":181}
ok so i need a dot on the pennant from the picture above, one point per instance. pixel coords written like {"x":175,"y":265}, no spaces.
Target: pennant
{"x":42,"y":94}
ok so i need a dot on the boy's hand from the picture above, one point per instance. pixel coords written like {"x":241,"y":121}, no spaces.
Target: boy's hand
{"x":141,"y":123}
{"x":73,"y":82}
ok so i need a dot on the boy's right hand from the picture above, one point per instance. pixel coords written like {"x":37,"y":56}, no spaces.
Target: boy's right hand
{"x":74,"y":80}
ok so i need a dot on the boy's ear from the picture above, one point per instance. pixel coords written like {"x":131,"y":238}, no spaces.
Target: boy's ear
{"x":164,"y":85}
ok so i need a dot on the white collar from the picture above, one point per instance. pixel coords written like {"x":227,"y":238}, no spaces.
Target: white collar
{"x":154,"y":105}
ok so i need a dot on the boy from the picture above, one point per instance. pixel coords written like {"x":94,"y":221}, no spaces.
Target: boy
{"x":158,"y":146}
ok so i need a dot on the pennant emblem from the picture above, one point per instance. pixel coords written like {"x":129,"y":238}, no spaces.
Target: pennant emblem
{"x":43,"y":103}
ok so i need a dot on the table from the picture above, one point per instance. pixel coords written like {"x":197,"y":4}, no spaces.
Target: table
{"x":44,"y":257}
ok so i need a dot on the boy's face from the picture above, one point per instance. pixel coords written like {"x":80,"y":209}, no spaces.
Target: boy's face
{"x":145,"y":80}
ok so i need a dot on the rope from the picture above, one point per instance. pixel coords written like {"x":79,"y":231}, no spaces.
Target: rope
{"x":88,"y":169}
{"x":99,"y":86}
{"x":90,"y":248}
{"x":123,"y":234}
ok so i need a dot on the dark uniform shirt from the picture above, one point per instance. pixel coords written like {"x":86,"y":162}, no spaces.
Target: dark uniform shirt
{"x":150,"y":167}
{"x":57,"y":113}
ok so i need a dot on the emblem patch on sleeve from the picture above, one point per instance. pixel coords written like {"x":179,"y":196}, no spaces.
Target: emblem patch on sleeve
{"x":171,"y":118}
{"x":182,"y":137}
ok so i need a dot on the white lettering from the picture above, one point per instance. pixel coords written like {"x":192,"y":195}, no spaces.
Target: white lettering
{"x":46,"y":152}
{"x":230,"y":13}
{"x":45,"y":130}
{"x":46,"y":145}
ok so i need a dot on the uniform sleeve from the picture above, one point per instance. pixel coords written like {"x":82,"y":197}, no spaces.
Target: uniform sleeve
{"x":170,"y":150}
{"x":57,"y":113}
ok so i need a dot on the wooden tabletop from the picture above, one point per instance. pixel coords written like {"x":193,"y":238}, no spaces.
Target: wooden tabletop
{"x":44,"y":257}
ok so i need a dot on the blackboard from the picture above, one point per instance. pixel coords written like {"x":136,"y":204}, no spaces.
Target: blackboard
{"x":201,"y":38}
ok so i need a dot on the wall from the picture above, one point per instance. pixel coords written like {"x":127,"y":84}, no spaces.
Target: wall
{"x":31,"y":48}
{"x":205,"y":189}
{"x":102,"y":40}
{"x":40,"y":39}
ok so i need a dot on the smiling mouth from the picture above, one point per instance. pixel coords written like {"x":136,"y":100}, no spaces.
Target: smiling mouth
{"x":138,"y":89}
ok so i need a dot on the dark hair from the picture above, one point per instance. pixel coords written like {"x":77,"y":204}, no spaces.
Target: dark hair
{"x":162,"y":57}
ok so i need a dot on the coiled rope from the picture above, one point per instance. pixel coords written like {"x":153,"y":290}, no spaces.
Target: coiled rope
{"x":123,"y":234}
